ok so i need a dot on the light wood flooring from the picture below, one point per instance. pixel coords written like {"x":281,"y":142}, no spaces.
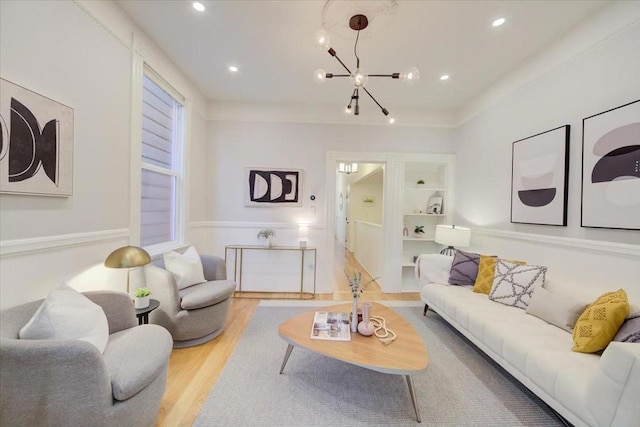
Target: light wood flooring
{"x":193,"y":371}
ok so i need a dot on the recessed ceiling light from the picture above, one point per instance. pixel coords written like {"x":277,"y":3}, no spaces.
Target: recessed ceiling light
{"x":233,"y":68}
{"x":198,"y":6}
{"x":444,"y":77}
{"x":498,"y":22}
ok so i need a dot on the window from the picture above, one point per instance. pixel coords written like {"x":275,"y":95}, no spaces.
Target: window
{"x":161,"y":174}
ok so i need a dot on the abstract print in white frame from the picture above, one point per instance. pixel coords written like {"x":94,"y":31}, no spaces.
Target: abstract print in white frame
{"x":611,"y":168}
{"x":36,"y":143}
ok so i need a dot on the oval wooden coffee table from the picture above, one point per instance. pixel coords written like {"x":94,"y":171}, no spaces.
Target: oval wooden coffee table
{"x":406,"y":355}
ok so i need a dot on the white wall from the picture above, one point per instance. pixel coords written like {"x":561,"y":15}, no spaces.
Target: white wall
{"x":79,"y":54}
{"x":236,"y":145}
{"x":600,"y":77}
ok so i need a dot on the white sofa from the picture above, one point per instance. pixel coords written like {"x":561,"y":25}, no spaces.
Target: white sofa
{"x":585,"y":389}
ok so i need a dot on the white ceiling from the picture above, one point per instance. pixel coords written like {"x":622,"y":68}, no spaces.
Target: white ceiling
{"x":272,"y":44}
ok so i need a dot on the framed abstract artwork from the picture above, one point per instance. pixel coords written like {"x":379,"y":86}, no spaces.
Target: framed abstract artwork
{"x":272,"y":187}
{"x":611,"y":168}
{"x":36,"y":143}
{"x":539,"y":184}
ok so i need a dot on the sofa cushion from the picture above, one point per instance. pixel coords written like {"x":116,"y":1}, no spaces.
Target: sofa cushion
{"x":630,"y":329}
{"x":513,"y":284}
{"x":600,"y":321}
{"x":555,"y":309}
{"x":464,"y":268}
{"x":486,"y":271}
{"x":66,"y":314}
{"x":134,"y":357}
{"x":206,"y":294}
{"x":186,"y":268}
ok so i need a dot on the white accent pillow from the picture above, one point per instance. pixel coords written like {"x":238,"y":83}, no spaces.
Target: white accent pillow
{"x":514,"y":283}
{"x":558,"y":310}
{"x":66,"y":314}
{"x":186,"y":268}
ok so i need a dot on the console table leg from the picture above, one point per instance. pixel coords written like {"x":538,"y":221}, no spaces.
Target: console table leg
{"x":286,"y":358}
{"x":412,"y":392}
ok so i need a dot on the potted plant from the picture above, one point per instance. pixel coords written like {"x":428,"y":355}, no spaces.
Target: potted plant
{"x":141,"y":297}
{"x":268,"y":235}
{"x":419,"y":230}
{"x":420,"y":183}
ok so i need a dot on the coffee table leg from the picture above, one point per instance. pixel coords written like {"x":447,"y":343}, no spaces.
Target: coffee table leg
{"x":286,"y":357}
{"x":412,"y":392}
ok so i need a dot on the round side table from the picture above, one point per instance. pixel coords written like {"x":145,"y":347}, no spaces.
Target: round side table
{"x":143,"y":313}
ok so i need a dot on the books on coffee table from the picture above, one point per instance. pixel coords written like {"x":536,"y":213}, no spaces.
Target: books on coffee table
{"x":331,"y":326}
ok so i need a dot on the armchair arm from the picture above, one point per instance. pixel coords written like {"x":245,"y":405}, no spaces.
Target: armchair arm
{"x":118,"y":307}
{"x":61,"y":381}
{"x":214,"y":267}
{"x":164,"y":288}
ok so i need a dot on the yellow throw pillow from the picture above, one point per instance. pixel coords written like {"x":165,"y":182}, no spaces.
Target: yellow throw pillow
{"x":600,"y":321}
{"x":486,"y":271}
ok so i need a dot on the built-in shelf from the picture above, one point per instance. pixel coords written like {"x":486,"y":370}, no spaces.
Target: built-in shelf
{"x":425,"y":188}
{"x":418,"y":239}
{"x":408,"y":264}
{"x":423,"y":214}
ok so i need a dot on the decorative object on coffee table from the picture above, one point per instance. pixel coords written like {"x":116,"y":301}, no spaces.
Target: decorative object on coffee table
{"x":366,"y":327}
{"x":356,"y":286}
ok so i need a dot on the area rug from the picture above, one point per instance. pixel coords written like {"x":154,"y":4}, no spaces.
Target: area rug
{"x":461,"y":386}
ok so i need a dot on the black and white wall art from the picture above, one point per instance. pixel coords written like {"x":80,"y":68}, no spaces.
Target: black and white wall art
{"x":36,"y":143}
{"x":539,"y":186}
{"x":272,"y":187}
{"x":611,"y":168}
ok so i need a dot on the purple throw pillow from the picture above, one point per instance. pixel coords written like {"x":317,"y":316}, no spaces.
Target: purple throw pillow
{"x":464,"y":268}
{"x":630,"y":330}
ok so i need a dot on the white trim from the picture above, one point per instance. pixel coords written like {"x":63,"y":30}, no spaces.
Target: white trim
{"x":135,"y":144}
{"x":573,"y":243}
{"x":46,"y":243}
{"x":252,"y":225}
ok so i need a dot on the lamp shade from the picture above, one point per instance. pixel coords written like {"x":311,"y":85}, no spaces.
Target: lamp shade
{"x":127,"y":257}
{"x":451,"y":235}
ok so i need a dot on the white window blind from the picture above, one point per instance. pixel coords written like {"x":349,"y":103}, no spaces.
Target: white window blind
{"x":162,"y":142}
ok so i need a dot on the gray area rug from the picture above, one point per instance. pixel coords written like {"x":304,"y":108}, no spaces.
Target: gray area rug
{"x":461,"y":386}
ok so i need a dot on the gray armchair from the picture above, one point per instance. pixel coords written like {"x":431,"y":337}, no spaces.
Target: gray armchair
{"x":69,"y":382}
{"x":196,"y":314}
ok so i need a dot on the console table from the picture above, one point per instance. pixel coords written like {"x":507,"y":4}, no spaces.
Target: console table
{"x":238,"y":251}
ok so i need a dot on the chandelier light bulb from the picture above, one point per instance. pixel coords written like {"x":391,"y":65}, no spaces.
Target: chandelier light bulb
{"x":347,"y":109}
{"x":319,"y":75}
{"x":322,"y":39}
{"x":359,"y":78}
{"x":391,"y":120}
{"x":411,"y":75}
{"x":198,"y":6}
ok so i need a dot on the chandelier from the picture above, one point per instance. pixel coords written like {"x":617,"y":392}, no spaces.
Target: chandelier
{"x":358,"y":77}
{"x":348,"y":168}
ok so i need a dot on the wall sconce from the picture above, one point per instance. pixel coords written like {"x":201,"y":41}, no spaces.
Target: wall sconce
{"x":348,"y":168}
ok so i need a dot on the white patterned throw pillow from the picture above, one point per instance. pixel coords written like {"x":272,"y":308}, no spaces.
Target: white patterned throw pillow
{"x":513,"y":284}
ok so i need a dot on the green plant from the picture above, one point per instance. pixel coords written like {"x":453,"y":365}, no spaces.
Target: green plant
{"x":142,"y":292}
{"x":420,"y":181}
{"x":355,"y":282}
{"x":419,"y":229}
{"x":265,"y":234}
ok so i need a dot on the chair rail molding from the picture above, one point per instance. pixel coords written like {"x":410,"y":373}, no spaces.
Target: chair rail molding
{"x":571,"y":242}
{"x":47,"y":243}
{"x":252,"y":225}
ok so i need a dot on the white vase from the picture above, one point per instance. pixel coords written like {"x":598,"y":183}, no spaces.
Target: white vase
{"x":141,"y":302}
{"x":354,"y":316}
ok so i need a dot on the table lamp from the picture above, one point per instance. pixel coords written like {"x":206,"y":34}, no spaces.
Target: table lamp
{"x":127,"y":257}
{"x":451,"y":236}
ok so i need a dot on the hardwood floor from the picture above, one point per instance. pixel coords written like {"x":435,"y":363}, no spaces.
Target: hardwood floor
{"x":193,"y":371}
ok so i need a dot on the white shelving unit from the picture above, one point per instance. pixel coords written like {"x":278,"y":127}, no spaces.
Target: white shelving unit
{"x":437,"y":175}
